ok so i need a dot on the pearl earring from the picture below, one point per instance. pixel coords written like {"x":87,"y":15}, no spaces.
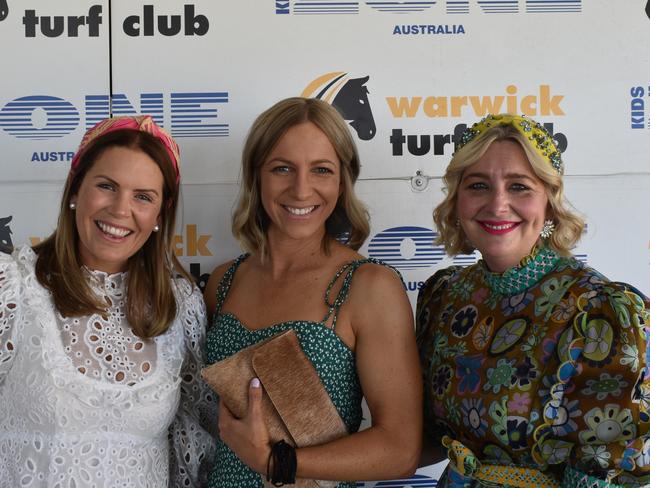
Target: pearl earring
{"x":156,"y":228}
{"x":72,"y":206}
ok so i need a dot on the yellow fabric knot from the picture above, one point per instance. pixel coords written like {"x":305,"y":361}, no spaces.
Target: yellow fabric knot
{"x":467,"y":464}
{"x":463,"y":459}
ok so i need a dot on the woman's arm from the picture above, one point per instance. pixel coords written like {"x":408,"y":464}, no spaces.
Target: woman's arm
{"x":10,"y":309}
{"x":600,"y":402}
{"x":193,"y":430}
{"x":378,"y":314}
{"x":430,"y":298}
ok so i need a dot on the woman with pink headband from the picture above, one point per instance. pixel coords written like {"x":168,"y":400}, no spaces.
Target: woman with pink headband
{"x":101,"y":329}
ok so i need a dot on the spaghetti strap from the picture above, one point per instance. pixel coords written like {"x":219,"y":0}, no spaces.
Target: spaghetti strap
{"x":226,"y":282}
{"x":347,"y":271}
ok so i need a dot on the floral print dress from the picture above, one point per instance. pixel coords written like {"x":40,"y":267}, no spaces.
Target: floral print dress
{"x":334,"y":362}
{"x":538,"y":376}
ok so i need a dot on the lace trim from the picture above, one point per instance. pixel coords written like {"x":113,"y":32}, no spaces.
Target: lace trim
{"x":94,"y":426}
{"x":527,"y":274}
{"x":62,"y":367}
{"x":9,"y":312}
{"x":110,"y":283}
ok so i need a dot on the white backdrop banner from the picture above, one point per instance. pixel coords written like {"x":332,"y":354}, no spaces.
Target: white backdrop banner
{"x":407,"y":76}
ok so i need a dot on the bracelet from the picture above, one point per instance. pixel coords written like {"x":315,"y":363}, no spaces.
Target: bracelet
{"x":284,"y":464}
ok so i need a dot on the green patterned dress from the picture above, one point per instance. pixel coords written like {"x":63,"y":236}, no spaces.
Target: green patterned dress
{"x":538,"y":376}
{"x":333,"y":360}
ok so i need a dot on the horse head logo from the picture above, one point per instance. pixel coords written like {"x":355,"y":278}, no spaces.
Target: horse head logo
{"x":5,"y":235}
{"x":4,"y":9}
{"x":349,"y":96}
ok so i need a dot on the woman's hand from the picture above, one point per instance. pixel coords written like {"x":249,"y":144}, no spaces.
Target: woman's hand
{"x":247,"y":437}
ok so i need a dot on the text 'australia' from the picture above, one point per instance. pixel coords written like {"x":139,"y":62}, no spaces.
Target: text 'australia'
{"x":427,"y":29}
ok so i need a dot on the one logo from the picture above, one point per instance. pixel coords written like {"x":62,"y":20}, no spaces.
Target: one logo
{"x":347,"y":95}
{"x":6,"y":245}
{"x":419,"y":481}
{"x":406,"y":247}
{"x":466,"y":259}
{"x":647,"y":9}
{"x":41,"y":117}
{"x":4,"y":9}
{"x":343,"y":7}
{"x":583,"y":258}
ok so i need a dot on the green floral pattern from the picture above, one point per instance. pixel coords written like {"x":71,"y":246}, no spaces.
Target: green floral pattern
{"x":334,"y":362}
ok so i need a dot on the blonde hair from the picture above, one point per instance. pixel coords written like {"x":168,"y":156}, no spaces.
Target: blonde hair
{"x":568,"y":225}
{"x":349,"y":220}
{"x":151,"y":303}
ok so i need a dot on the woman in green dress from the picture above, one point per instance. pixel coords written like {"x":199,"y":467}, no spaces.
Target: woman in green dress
{"x":535,"y":365}
{"x":301,"y":223}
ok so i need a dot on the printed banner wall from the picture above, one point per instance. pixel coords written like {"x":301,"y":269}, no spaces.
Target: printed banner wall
{"x":407,"y":76}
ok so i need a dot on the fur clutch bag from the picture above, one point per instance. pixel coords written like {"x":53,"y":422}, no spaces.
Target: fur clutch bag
{"x":295,"y":404}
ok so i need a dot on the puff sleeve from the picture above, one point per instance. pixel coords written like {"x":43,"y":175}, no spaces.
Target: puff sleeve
{"x":428,"y":335}
{"x":9,"y":311}
{"x":597,"y":417}
{"x":193,"y":431}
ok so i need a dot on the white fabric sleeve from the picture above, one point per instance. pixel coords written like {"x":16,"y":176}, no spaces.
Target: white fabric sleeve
{"x":193,"y":432}
{"x":10,"y":310}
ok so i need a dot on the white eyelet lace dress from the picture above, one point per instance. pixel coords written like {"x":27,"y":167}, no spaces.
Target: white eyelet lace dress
{"x":85,"y":403}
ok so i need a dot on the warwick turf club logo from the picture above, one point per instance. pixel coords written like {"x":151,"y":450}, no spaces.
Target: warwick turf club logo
{"x":4,"y":9}
{"x":5,"y":235}
{"x":347,"y":95}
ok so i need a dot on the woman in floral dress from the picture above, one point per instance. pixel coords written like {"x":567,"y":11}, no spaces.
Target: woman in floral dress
{"x":535,"y":365}
{"x":301,"y":222}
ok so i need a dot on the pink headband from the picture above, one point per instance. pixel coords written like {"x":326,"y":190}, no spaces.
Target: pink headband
{"x":143,"y":123}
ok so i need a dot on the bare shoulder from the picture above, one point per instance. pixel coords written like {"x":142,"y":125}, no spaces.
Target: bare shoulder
{"x":377,"y":296}
{"x":220,"y":270}
{"x":376,"y":279}
{"x":210,"y":293}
